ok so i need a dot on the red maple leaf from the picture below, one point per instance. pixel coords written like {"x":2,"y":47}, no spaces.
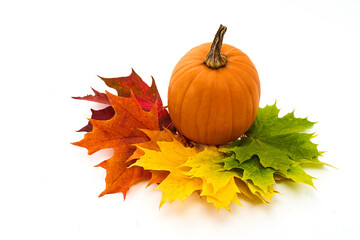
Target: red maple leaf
{"x":97,"y":97}
{"x":102,"y":114}
{"x":125,"y":86}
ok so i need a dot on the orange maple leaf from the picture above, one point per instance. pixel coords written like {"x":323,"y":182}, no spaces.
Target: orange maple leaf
{"x":123,"y":128}
{"x":157,"y":176}
{"x":119,"y":133}
{"x":119,"y":177}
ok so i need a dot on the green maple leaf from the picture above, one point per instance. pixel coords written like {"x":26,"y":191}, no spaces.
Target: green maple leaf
{"x":274,"y":145}
{"x":208,"y":166}
{"x":297,"y":174}
{"x":259,"y":175}
{"x":278,"y":142}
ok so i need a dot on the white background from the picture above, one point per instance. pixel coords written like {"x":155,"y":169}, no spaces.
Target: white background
{"x":307,"y":55}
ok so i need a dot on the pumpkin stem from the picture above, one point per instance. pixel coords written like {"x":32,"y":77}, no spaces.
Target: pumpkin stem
{"x":215,"y":59}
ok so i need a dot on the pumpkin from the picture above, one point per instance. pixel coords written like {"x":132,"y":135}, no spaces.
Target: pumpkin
{"x":214,"y":93}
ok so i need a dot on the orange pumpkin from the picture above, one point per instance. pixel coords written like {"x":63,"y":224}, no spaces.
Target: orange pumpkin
{"x":214,"y":93}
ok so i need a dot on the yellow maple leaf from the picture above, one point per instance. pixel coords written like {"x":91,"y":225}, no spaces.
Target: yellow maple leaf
{"x":191,"y":169}
{"x":171,"y":155}
{"x":200,"y":168}
{"x":219,"y":185}
{"x":224,"y":196}
{"x":178,"y":186}
{"x":208,"y":166}
{"x":155,"y":136}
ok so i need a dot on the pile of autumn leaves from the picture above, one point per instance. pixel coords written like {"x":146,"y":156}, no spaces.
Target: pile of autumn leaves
{"x":147,"y":147}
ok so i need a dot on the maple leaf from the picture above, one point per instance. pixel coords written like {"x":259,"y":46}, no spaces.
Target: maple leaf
{"x":119,"y":133}
{"x":146,"y":96}
{"x":157,"y":177}
{"x":250,"y":192}
{"x":273,"y":146}
{"x":102,"y":114}
{"x":256,"y":181}
{"x":122,"y":128}
{"x":276,"y":141}
{"x":208,"y":165}
{"x":191,"y":169}
{"x":178,"y":186}
{"x":259,"y":175}
{"x":156,"y":136}
{"x":125,"y":87}
{"x":119,"y":176}
{"x":223,"y":197}
{"x":170,"y":155}
{"x":273,"y":149}
{"x":97,"y":97}
{"x":219,"y":184}
{"x":298,"y":175}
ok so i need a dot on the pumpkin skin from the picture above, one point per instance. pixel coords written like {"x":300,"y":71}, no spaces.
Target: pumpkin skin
{"x":213,"y":106}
